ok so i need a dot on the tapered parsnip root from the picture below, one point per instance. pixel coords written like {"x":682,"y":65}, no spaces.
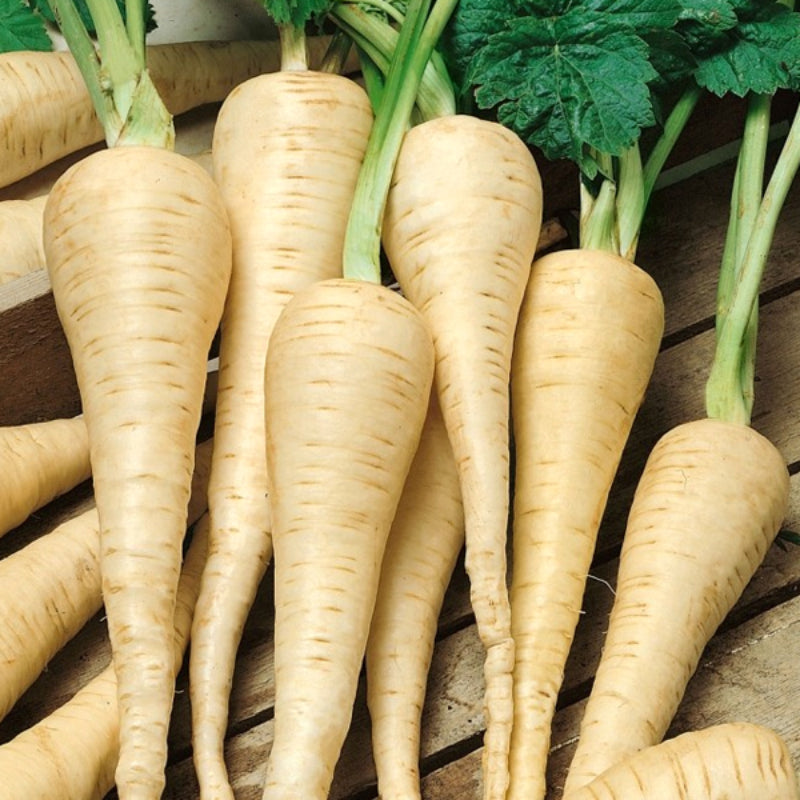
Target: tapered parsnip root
{"x":731,"y":761}
{"x":709,"y":503}
{"x":46,"y":112}
{"x":51,"y":588}
{"x":348,"y":377}
{"x":426,"y":537}
{"x":21,"y":235}
{"x":21,"y":232}
{"x":139,"y":255}
{"x":287,"y":149}
{"x":72,"y":753}
{"x":461,"y":226}
{"x":587,"y":339}
{"x":39,"y":462}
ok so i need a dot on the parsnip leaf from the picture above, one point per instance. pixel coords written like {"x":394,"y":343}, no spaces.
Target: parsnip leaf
{"x":21,"y":28}
{"x":295,"y":12}
{"x":468,"y":31}
{"x":566,"y":83}
{"x":760,"y":54}
{"x":672,"y":59}
{"x":568,"y":77}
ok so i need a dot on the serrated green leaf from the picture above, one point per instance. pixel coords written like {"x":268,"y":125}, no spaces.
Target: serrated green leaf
{"x":21,"y":28}
{"x":761,"y":54}
{"x":704,"y":24}
{"x":468,"y":31}
{"x":565,"y":84}
{"x":295,"y":12}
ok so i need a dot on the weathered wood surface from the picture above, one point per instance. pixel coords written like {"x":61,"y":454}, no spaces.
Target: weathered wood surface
{"x":749,"y":670}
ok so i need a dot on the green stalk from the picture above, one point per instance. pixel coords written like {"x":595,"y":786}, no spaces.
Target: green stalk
{"x":598,"y":211}
{"x":673,"y":127}
{"x":378,"y":39}
{"x":415,"y":44}
{"x":729,"y":266}
{"x":724,"y":396}
{"x":613,"y":219}
{"x":750,"y":177}
{"x":83,"y":51}
{"x":373,"y":78}
{"x":598,"y":233}
{"x":385,"y":8}
{"x":294,"y":56}
{"x":756,"y":139}
{"x":337,"y":52}
{"x":134,"y":22}
{"x":124,"y":97}
{"x":630,"y":201}
{"x":362,"y":241}
{"x":118,"y":56}
{"x":746,"y":196}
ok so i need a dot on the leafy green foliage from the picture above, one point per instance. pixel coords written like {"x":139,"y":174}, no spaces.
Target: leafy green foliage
{"x":296,"y":12}
{"x":21,"y":28}
{"x":577,"y":77}
{"x":43,"y":7}
{"x":674,"y":52}
{"x":760,"y":54}
{"x":671,"y":58}
{"x":467,"y":33}
{"x":568,"y":77}
{"x":567,"y":88}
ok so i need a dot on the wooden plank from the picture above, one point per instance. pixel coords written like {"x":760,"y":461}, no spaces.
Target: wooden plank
{"x":38,"y":378}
